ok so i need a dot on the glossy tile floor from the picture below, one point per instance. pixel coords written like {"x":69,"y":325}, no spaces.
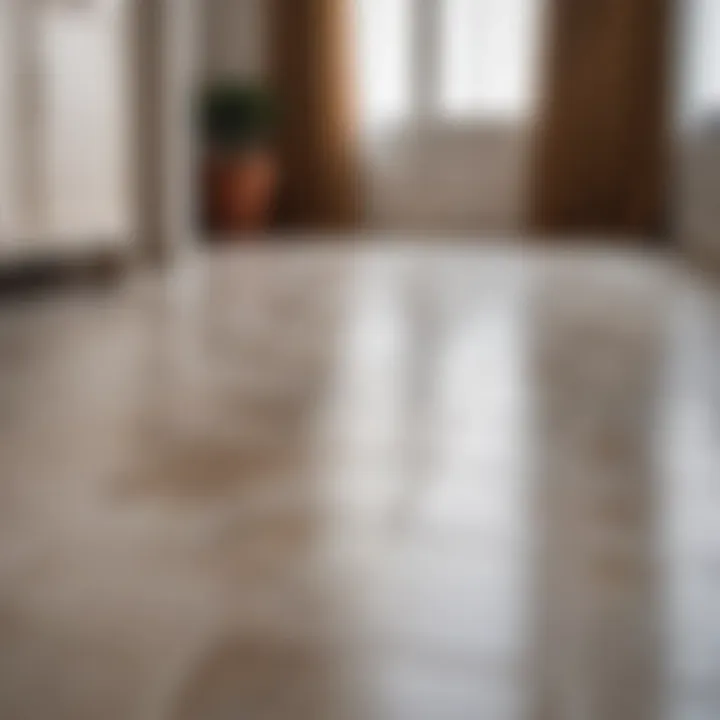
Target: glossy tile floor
{"x":398,"y":483}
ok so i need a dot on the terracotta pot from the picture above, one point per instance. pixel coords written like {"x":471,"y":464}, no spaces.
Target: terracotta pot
{"x":240,"y":191}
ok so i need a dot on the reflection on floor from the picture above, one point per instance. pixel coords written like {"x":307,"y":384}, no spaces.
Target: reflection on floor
{"x":400,"y":483}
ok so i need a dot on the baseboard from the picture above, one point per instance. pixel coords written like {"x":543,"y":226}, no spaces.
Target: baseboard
{"x":36,"y":264}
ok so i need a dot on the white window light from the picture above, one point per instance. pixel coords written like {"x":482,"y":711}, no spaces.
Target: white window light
{"x":479,"y":63}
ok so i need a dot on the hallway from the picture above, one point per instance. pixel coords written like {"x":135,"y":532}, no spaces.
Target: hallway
{"x":383,"y":482}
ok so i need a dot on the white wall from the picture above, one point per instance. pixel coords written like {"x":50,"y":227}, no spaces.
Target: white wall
{"x":7,"y":74}
{"x":164,"y":74}
{"x":235,"y":38}
{"x":453,"y":177}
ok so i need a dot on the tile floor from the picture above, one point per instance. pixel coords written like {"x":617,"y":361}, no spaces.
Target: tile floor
{"x":402,"y":482}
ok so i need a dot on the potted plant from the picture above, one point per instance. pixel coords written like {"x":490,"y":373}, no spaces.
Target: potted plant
{"x":238,"y":125}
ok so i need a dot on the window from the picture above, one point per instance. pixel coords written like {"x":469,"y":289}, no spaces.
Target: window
{"x":486,"y":57}
{"x":455,"y":59}
{"x":701,"y":81}
{"x":385,"y":31}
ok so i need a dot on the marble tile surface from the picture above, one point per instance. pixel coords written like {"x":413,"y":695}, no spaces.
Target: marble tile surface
{"x":383,"y":482}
